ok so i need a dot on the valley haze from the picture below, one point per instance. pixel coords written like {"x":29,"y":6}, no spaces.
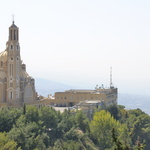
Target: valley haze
{"x":130,"y":101}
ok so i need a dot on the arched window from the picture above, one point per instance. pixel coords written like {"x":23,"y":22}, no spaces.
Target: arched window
{"x":11,"y":69}
{"x":11,"y":47}
{"x":11,"y":95}
{"x":10,"y":34}
{"x":17,"y":35}
{"x":14,"y":34}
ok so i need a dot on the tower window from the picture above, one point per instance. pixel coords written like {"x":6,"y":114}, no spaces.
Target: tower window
{"x":11,"y":34}
{"x":11,"y":69}
{"x":17,"y":35}
{"x":14,"y":34}
{"x":11,"y":95}
{"x":11,"y":47}
{"x":17,"y":47}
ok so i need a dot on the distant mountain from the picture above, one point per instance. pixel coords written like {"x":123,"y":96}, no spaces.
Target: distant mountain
{"x":135,"y":101}
{"x":45,"y":87}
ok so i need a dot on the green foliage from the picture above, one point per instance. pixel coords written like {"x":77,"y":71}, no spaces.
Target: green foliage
{"x":32,"y":114}
{"x":32,"y":128}
{"x":136,"y":112}
{"x":6,"y":143}
{"x":26,"y":134}
{"x":139,"y":125}
{"x":118,"y":144}
{"x":24,"y":109}
{"x":113,"y":109}
{"x":81,"y":121}
{"x":72,"y":134}
{"x":101,"y":127}
{"x":67,"y":145}
{"x":8,"y":117}
{"x":138,"y":145}
{"x":67,"y":122}
{"x":49,"y":117}
{"x":42,"y":141}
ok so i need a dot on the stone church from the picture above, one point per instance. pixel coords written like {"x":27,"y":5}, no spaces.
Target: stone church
{"x":16,"y":86}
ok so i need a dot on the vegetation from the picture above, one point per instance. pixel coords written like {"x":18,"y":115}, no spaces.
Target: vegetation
{"x":115,"y":128}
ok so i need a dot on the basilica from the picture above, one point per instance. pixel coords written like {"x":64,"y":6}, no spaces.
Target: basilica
{"x":16,"y":85}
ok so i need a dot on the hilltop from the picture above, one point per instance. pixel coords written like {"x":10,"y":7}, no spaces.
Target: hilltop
{"x":45,"y":87}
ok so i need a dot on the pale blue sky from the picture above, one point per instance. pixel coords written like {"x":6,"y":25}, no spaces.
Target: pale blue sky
{"x":76,"y":42}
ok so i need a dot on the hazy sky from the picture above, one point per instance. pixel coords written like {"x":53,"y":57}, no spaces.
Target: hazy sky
{"x":76,"y":42}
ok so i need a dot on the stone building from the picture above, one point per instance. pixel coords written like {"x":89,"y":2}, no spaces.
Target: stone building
{"x":72,"y":97}
{"x":16,"y":86}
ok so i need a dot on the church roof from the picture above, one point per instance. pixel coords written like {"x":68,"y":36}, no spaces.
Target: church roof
{"x":24,"y":74}
{"x":3,"y":56}
{"x":13,"y":25}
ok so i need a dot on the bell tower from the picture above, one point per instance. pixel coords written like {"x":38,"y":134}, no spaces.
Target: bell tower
{"x":13,"y":64}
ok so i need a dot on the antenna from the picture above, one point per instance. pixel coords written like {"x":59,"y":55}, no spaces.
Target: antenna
{"x":13,"y":18}
{"x":111,"y":84}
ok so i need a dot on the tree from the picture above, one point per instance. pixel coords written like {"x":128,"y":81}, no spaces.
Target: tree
{"x":6,"y":143}
{"x":82,"y":121}
{"x":139,"y":126}
{"x":138,"y":145}
{"x":32,"y":114}
{"x":49,"y":117}
{"x":118,"y":145}
{"x":24,"y":109}
{"x":26,"y":134}
{"x":113,"y":109}
{"x":101,"y":127}
{"x":8,"y":117}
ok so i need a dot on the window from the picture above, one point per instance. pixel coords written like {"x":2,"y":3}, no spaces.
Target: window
{"x":11,"y":95}
{"x":11,"y":69}
{"x":17,"y":34}
{"x":14,"y":34}
{"x":11,"y":47}
{"x":11,"y":35}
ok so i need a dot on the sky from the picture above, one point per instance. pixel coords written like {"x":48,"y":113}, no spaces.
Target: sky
{"x":76,"y":42}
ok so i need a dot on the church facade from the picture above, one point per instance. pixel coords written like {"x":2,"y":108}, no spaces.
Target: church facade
{"x":16,"y":86}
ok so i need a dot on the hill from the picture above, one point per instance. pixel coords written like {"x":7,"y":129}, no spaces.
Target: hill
{"x":45,"y":87}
